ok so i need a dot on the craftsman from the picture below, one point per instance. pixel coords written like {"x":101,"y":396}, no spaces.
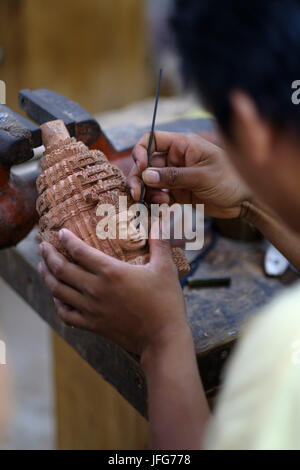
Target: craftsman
{"x":242,"y":58}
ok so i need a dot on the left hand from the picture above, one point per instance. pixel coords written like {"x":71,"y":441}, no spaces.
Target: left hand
{"x":135,"y":306}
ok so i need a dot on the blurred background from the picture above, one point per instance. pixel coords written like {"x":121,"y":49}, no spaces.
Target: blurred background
{"x":105,"y":55}
{"x":100,"y":53}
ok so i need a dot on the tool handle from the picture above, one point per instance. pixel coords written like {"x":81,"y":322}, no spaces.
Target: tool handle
{"x":224,"y":281}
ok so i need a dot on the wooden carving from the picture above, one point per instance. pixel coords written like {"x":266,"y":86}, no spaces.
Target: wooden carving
{"x":73,"y":183}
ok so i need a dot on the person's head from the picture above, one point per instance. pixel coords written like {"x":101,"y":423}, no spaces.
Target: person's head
{"x":242,"y":58}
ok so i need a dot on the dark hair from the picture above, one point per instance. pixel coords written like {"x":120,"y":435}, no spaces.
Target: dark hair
{"x":248,"y":45}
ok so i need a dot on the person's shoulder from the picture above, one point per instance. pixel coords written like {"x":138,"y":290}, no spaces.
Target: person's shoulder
{"x":279,"y":321}
{"x":273,"y":334}
{"x":288,"y":301}
{"x":262,"y":381}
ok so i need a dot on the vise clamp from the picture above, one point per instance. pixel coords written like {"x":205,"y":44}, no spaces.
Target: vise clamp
{"x":18,"y":139}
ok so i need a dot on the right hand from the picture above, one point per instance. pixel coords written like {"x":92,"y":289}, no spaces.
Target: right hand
{"x":194,"y":171}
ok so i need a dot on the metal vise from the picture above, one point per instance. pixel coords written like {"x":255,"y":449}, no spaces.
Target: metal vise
{"x":18,"y":138}
{"x":17,"y":195}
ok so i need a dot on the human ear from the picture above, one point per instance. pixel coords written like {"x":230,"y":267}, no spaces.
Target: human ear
{"x":252,"y":134}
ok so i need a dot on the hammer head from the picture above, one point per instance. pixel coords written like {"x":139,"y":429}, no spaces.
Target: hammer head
{"x":19,"y":136}
{"x":45,"y":105}
{"x":15,"y":140}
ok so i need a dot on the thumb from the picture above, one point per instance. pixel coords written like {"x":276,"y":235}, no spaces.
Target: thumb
{"x":160,"y":249}
{"x":172,"y":177}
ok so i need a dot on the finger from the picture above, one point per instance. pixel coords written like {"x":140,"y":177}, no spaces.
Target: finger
{"x":160,"y":249}
{"x":84,"y":255}
{"x":134,"y":179}
{"x":135,"y":183}
{"x":173,"y":177}
{"x":61,"y":291}
{"x":152,"y":196}
{"x":140,"y":151}
{"x":70,"y":316}
{"x":156,"y":196}
{"x":65,"y":271}
{"x":162,"y":143}
{"x":158,"y":160}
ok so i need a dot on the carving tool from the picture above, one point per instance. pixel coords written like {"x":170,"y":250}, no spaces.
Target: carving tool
{"x":141,"y":201}
{"x":151,"y":134}
{"x":224,"y":281}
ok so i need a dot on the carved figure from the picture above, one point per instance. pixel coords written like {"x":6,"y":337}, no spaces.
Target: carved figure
{"x":74,"y":182}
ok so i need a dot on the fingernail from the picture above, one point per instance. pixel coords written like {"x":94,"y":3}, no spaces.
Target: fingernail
{"x":41,"y":249}
{"x":40,"y":268}
{"x":136,"y":161}
{"x":132,"y":192}
{"x":56,"y":302}
{"x":61,"y":235}
{"x":151,"y":176}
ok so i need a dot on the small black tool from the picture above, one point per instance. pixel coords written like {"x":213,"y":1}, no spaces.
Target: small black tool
{"x":151,"y":134}
{"x":224,"y":281}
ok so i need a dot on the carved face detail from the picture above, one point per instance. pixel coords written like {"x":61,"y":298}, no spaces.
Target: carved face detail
{"x":130,"y":238}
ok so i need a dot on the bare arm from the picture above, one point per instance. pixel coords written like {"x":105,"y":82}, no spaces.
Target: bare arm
{"x":178,"y":409}
{"x":142,"y":309}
